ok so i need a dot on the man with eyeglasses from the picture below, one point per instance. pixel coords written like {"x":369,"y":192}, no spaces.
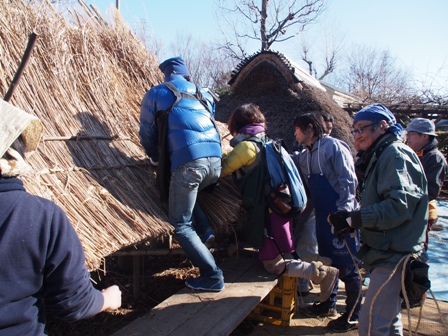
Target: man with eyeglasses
{"x":392,"y":218}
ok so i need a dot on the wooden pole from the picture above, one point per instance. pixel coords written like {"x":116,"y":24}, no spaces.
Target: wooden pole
{"x":81,"y":137}
{"x":22,"y":66}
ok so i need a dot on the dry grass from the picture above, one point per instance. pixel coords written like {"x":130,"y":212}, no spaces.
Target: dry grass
{"x":85,"y":81}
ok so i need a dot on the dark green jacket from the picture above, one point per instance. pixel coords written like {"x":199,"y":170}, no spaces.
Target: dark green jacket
{"x":394,"y":204}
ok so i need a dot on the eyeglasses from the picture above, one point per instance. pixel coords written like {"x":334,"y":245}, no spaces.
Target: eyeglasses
{"x":359,"y":130}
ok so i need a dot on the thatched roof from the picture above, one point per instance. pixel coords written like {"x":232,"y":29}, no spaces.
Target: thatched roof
{"x":282,"y":90}
{"x":85,"y":82}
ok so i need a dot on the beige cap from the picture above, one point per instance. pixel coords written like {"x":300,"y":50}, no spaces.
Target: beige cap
{"x":15,"y":122}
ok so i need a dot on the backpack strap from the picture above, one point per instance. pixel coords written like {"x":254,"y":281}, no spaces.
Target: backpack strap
{"x":179,"y":95}
{"x":200,"y":97}
{"x":277,"y":145}
{"x":281,"y":254}
{"x":262,"y":150}
{"x":176,"y":93}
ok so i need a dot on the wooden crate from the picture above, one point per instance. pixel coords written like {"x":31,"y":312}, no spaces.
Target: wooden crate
{"x":279,"y":306}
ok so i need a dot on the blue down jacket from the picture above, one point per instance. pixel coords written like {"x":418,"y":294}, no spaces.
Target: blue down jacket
{"x":191,"y":132}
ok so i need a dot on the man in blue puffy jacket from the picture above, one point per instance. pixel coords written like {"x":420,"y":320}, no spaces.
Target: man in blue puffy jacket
{"x":189,"y":140}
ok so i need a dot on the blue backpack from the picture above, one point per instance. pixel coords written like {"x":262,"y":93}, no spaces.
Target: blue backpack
{"x":287,"y":196}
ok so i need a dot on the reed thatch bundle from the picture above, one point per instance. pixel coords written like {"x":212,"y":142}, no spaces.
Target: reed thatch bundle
{"x":85,"y":81}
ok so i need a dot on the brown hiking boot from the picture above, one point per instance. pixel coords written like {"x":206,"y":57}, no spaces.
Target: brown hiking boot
{"x":326,"y":278}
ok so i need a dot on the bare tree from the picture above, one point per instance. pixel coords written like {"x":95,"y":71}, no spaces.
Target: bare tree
{"x":433,"y":88}
{"x":208,"y":66}
{"x":144,"y":33}
{"x":265,"y":21}
{"x":305,"y":52}
{"x":374,"y":76}
{"x":330,"y":53}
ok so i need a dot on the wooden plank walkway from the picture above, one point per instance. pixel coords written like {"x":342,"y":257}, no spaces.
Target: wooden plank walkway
{"x":190,"y":312}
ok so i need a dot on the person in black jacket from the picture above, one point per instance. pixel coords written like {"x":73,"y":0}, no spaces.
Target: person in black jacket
{"x":43,"y":262}
{"x":421,"y":137}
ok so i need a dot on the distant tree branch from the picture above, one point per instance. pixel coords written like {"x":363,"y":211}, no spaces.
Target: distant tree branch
{"x":267,"y":21}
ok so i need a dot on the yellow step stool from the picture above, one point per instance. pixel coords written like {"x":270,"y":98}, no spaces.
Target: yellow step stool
{"x":279,"y":306}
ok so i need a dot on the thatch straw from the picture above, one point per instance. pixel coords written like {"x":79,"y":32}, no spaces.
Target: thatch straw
{"x":85,"y":82}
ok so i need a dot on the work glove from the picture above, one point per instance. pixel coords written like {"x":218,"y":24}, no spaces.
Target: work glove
{"x":344,"y":221}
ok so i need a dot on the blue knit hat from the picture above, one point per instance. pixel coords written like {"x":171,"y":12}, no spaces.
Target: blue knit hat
{"x":376,"y":113}
{"x":175,"y":65}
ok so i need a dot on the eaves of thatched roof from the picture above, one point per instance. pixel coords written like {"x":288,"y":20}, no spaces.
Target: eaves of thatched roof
{"x":282,"y":90}
{"x":289,"y":70}
{"x":85,"y":82}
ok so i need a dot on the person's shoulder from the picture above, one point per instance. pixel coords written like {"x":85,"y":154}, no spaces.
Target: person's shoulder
{"x":398,"y":149}
{"x":156,"y":91}
{"x":207,"y":94}
{"x":437,"y":157}
{"x":248,"y":144}
{"x":40,"y":206}
{"x":182,"y":84}
{"x":335,"y":143}
{"x":436,"y":151}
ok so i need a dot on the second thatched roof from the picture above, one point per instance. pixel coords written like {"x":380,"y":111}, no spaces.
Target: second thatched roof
{"x":283,"y":90}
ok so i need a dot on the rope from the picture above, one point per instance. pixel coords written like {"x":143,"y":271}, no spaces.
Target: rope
{"x":360,"y":285}
{"x":405,"y":294}
{"x":381,"y":288}
{"x":405,"y":259}
{"x":438,"y":308}
{"x":403,"y":289}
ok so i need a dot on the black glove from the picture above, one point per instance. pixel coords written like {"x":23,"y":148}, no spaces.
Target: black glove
{"x":356,"y":219}
{"x":339,"y":221}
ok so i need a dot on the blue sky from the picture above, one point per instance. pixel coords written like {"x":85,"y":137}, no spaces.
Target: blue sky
{"x":415,"y":31}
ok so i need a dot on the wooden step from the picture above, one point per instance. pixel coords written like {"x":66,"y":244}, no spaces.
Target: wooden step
{"x":190,"y":312}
